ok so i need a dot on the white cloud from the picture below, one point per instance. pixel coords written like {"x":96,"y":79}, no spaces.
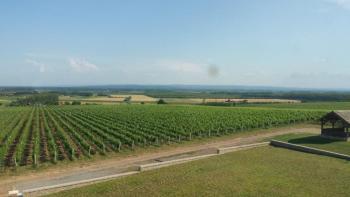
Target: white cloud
{"x":82,"y":65}
{"x":42,"y":67}
{"x":342,"y":3}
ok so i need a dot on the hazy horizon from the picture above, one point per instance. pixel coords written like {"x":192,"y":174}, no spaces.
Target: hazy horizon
{"x":272,"y":43}
{"x":196,"y":87}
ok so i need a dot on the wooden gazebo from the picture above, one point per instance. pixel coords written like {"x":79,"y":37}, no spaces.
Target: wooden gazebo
{"x":336,"y":125}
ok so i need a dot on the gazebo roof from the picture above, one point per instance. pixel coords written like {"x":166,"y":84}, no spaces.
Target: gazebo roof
{"x":343,"y":115}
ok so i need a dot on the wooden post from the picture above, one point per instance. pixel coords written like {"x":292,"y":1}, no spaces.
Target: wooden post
{"x":119,"y":146}
{"x":55,"y":156}
{"x":72,"y":153}
{"x":35,"y":160}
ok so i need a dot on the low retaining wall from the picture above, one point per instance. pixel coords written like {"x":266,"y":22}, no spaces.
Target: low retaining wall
{"x":237,"y":148}
{"x":114,"y":176}
{"x":309,"y":149}
{"x":139,"y":168}
{"x":152,"y":166}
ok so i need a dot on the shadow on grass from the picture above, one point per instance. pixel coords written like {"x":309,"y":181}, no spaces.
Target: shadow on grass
{"x":312,"y":140}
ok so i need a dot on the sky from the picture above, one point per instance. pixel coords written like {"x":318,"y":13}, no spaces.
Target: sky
{"x":284,"y":43}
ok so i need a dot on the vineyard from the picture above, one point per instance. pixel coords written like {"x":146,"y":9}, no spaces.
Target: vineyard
{"x":34,"y":135}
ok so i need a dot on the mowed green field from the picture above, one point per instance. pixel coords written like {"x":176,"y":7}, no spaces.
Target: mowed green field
{"x":317,"y":141}
{"x":265,"y":171}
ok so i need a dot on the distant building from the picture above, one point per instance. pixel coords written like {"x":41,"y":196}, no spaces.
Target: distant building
{"x":335,"y":125}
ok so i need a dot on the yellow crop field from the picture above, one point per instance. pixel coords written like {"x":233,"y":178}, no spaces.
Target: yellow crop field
{"x":135,"y":98}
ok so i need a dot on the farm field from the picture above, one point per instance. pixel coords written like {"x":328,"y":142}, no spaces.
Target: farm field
{"x":316,"y":141}
{"x":109,"y":99}
{"x":310,"y":105}
{"x":255,"y":100}
{"x":34,"y":135}
{"x":265,"y":171}
{"x":5,"y":100}
{"x":95,"y":99}
{"x":138,"y":98}
{"x":225,"y":101}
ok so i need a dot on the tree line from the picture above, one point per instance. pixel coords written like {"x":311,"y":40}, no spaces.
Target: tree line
{"x":36,"y":99}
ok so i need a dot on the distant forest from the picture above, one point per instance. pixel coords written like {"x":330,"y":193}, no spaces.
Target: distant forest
{"x":303,"y":96}
{"x":177,"y":92}
{"x":37,"y":99}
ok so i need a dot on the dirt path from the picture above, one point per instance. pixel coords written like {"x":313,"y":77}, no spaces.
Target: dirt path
{"x":117,"y":165}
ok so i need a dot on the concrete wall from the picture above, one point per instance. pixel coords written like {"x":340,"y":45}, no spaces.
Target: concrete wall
{"x":308,"y":149}
{"x":243,"y":147}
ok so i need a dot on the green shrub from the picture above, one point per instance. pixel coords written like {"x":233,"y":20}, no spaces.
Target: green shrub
{"x":161,"y":101}
{"x":76,"y":103}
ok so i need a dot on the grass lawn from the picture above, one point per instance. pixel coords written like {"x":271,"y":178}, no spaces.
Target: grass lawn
{"x":265,"y":171}
{"x":316,"y":141}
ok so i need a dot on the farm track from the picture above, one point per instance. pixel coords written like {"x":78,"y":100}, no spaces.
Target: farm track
{"x":61,"y":155}
{"x":44,"y":154}
{"x":67,"y":146}
{"x":11,"y":126}
{"x":27,"y":159}
{"x":9,"y":160}
{"x":67,"y":128}
{"x":92,"y":142}
{"x":110,"y":166}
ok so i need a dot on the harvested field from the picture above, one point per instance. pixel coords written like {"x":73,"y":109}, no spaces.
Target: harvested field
{"x":136,"y":98}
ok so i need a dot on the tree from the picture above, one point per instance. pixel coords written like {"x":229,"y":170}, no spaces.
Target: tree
{"x":161,"y":101}
{"x":127,"y":99}
{"x":76,"y":103}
